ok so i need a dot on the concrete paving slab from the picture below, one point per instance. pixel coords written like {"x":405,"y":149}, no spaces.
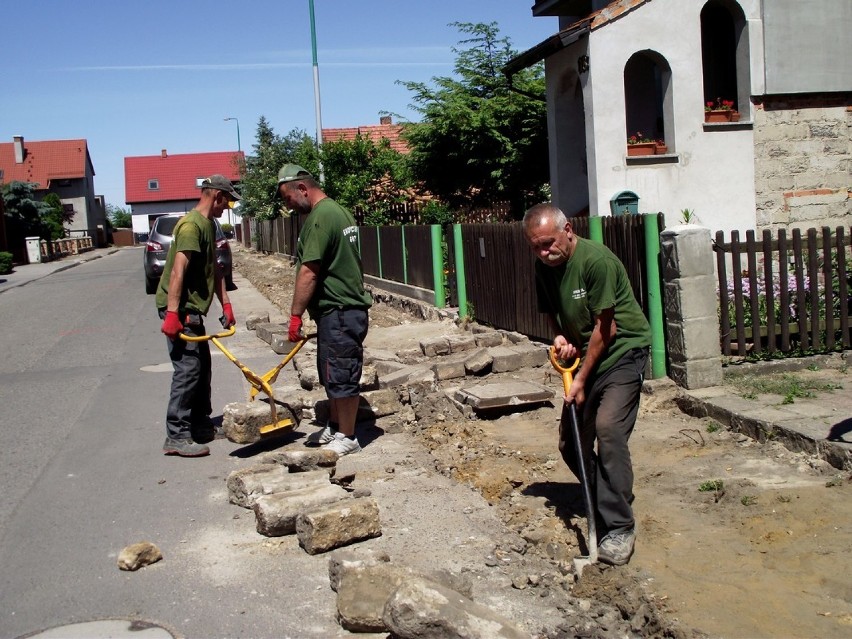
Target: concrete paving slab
{"x":503,"y":395}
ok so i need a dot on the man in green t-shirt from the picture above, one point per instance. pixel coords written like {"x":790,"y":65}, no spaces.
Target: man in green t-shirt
{"x":585,"y":292}
{"x":330,"y":286}
{"x":190,"y":279}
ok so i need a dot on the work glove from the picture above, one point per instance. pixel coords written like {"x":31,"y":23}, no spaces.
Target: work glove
{"x":171,"y":325}
{"x":228,"y":314}
{"x":295,"y":332}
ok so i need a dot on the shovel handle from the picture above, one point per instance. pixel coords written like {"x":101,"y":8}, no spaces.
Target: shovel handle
{"x":204,"y":338}
{"x":567,"y":373}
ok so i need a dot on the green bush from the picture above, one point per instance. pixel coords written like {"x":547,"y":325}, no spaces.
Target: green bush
{"x":5,"y":262}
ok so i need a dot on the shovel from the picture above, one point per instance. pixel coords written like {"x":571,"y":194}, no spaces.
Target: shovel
{"x":581,"y":561}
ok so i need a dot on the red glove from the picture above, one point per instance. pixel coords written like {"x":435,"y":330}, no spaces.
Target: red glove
{"x":228,"y":314}
{"x":295,"y":333}
{"x":171,"y":325}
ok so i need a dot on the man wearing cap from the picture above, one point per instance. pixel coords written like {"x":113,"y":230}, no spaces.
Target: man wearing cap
{"x":330,"y":286}
{"x":190,"y":278}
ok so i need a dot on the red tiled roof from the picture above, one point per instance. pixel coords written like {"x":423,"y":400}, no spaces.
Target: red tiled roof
{"x":176,"y":175}
{"x":375,"y":133}
{"x":45,"y":161}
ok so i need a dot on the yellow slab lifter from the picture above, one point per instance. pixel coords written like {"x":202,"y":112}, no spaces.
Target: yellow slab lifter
{"x":259,"y":383}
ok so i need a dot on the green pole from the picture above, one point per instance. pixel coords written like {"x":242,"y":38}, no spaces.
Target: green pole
{"x":596,"y":229}
{"x":404,"y":256}
{"x":438,"y":267}
{"x":461,"y":287}
{"x":655,"y":303}
{"x":379,"y":251}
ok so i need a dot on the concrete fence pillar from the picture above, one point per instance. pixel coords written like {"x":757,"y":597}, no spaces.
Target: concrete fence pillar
{"x":692,"y":324}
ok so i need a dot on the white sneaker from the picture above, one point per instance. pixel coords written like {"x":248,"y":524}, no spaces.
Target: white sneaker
{"x":342,"y":445}
{"x":322,"y":436}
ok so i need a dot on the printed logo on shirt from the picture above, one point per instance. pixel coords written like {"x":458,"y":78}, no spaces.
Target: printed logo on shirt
{"x":579,"y":294}
{"x":351,"y":232}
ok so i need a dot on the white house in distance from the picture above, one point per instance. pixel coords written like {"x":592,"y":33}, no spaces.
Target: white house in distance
{"x":155,"y":185}
{"x":620,"y":67}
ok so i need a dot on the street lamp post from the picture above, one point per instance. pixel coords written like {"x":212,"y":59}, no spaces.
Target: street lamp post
{"x":239,"y":153}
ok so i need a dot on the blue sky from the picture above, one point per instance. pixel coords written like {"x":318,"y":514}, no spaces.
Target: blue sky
{"x":133,"y":78}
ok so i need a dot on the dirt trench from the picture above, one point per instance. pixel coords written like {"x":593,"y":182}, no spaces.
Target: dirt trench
{"x":735,"y":538}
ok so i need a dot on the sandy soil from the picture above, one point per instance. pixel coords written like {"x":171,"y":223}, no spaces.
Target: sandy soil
{"x":766,"y":555}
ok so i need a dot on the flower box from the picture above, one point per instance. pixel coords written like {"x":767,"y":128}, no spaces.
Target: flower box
{"x":721,"y":115}
{"x":642,"y":148}
{"x":661,"y":149}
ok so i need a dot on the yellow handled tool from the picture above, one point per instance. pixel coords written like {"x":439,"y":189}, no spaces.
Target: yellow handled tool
{"x":257,"y":382}
{"x":567,"y":380}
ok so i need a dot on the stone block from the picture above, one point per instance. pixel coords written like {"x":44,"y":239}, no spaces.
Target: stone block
{"x":487,"y":339}
{"x":460,"y":343}
{"x":503,"y":394}
{"x":301,"y":461}
{"x":427,"y":610}
{"x":504,"y":359}
{"x":280,"y":343}
{"x":531,"y":355}
{"x":694,"y":374}
{"x":276,"y":514}
{"x":338,"y":525}
{"x":375,"y":355}
{"x":386,"y":367}
{"x":378,"y":403}
{"x":246,"y":485}
{"x":364,"y":586}
{"x":253,"y":319}
{"x":449,"y":368}
{"x":435,"y":346}
{"x":478,"y":362}
{"x":351,"y":559}
{"x":266,"y":330}
{"x":690,"y":297}
{"x":242,"y":421}
{"x":514,"y":337}
{"x":693,"y":339}
{"x":405,"y":376}
{"x":369,"y":378}
{"x":686,"y":251}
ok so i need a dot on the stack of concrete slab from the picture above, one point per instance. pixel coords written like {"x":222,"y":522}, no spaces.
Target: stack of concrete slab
{"x":294,"y":494}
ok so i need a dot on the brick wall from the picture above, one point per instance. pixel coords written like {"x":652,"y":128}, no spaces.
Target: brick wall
{"x":803,"y":159}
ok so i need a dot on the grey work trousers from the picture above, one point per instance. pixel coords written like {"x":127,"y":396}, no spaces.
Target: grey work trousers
{"x":189,"y":409}
{"x":608,"y":416}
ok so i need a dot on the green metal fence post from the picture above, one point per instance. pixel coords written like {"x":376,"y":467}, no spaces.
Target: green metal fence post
{"x":379,"y":250}
{"x":461,"y":286}
{"x":404,"y":256}
{"x":655,"y":303}
{"x":596,"y":229}
{"x":438,"y":266}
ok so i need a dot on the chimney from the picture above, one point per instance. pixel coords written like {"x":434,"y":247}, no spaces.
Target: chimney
{"x":163,"y":154}
{"x":19,"y":148}
{"x":386,"y":119}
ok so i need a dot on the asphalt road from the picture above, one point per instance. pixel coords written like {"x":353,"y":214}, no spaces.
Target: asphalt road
{"x":83,"y":389}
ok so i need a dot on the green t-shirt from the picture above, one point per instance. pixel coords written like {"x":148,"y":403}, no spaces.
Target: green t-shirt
{"x":195,"y":234}
{"x":330,"y":237}
{"x":592,"y":280}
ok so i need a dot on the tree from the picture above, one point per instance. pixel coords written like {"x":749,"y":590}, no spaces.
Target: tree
{"x":55,"y":216}
{"x":479,"y":141}
{"x":119,"y":217}
{"x":361,"y":173}
{"x":271,"y":152}
{"x":24,"y":213}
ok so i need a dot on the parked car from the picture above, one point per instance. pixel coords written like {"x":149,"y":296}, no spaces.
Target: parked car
{"x":157,"y":248}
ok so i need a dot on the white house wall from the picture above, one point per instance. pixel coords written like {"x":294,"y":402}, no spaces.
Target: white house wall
{"x":714,"y":172}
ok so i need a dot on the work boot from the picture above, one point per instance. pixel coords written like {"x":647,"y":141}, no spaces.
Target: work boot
{"x":184,"y":447}
{"x":209,"y":434}
{"x":343,"y":445}
{"x":322,"y":436}
{"x":617,"y":547}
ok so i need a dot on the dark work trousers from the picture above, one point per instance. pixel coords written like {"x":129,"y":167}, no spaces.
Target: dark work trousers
{"x":189,"y":409}
{"x":608,"y":415}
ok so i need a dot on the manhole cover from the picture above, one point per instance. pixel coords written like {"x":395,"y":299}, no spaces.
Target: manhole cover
{"x":104,"y":629}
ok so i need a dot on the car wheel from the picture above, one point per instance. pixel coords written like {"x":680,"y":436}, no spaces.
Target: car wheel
{"x":150,"y":285}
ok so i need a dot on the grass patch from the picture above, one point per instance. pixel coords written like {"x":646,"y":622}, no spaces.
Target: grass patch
{"x":789,"y":386}
{"x":748,"y":500}
{"x":712,"y":427}
{"x":712,"y":485}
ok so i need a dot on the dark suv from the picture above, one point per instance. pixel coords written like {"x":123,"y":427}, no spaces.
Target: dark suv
{"x":157,"y":248}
